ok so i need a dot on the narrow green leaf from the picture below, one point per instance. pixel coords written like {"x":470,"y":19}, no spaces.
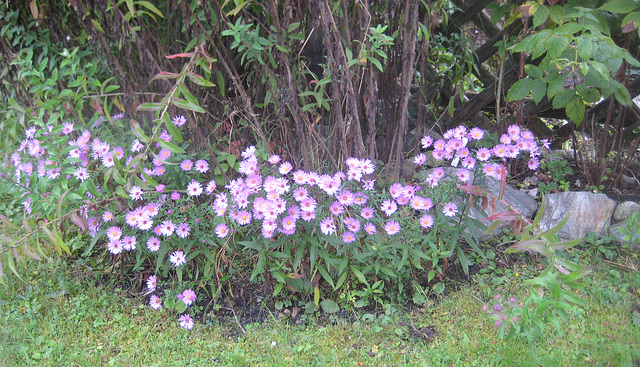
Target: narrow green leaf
{"x":151,"y":7}
{"x":171,"y":128}
{"x":151,"y":106}
{"x":138,"y":132}
{"x":186,"y":105}
{"x":199,"y":80}
{"x":170,"y":147}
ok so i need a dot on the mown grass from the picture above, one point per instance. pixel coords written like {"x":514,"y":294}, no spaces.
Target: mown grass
{"x":60,"y":317}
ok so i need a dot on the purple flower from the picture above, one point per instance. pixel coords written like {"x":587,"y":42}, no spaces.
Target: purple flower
{"x":370,"y":228}
{"x":202,"y":166}
{"x":114,"y":233}
{"x":179,"y":120}
{"x":155,"y":302}
{"x":389,"y":207}
{"x":186,"y":165}
{"x":153,"y":244}
{"x":222,"y":230}
{"x":186,"y":321}
{"x":178,"y":258}
{"x":175,"y":195}
{"x":426,"y":221}
{"x":367,"y":212}
{"x":426,"y":142}
{"x":392,"y":227}
{"x":183,"y":230}
{"x":534,"y":163}
{"x":151,"y":283}
{"x":348,"y":237}
{"x":327,"y":226}
{"x":188,"y":297}
{"x":450,"y":209}
{"x":194,"y":188}
{"x":336,"y":208}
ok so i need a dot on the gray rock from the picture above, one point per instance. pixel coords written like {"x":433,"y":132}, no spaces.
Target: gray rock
{"x":586,"y":211}
{"x":512,"y":198}
{"x":616,"y":233}
{"x":624,"y":211}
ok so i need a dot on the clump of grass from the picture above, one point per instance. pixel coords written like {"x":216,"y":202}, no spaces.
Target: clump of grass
{"x":61,"y":317}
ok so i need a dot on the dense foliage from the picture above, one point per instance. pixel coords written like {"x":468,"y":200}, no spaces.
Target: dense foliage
{"x":112,"y":110}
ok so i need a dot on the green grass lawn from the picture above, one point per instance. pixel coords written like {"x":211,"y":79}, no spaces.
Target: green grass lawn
{"x":58,"y":317}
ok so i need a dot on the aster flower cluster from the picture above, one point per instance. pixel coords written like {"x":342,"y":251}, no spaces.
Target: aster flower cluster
{"x":500,"y":311}
{"x":267,"y":201}
{"x":455,"y":147}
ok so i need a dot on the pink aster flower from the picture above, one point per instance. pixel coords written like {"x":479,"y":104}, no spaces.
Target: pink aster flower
{"x":327,"y":226}
{"x":183,"y":230}
{"x":202,"y":166}
{"x":426,"y":142}
{"x":336,"y":208}
{"x":135,"y":193}
{"x":167,"y":228}
{"x":274,"y":159}
{"x":186,"y":321}
{"x":151,"y":283}
{"x":188,"y":297}
{"x":179,"y":120}
{"x":514,"y":131}
{"x":389,"y":207}
{"x":463,"y":175}
{"x":348,"y":237}
{"x":155,"y":302}
{"x":115,"y":247}
{"x":129,"y":243}
{"x":107,"y":216}
{"x":483,"y":154}
{"x":370,"y":228}
{"x":211,"y":186}
{"x":81,"y":173}
{"x":114,"y":233}
{"x":426,"y":221}
{"x":186,"y":165}
{"x":285,"y":168}
{"x":420,"y":159}
{"x":367,"y":212}
{"x":194,"y":188}
{"x":153,"y":244}
{"x":178,"y":258}
{"x":392,"y":227}
{"x":534,"y":163}
{"x":476,"y":133}
{"x":308,"y":216}
{"x":450,"y":209}
{"x":222,"y":230}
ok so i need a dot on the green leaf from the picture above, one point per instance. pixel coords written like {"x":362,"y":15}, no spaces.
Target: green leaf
{"x":563,"y":98}
{"x":199,"y":80}
{"x":329,"y":306}
{"x":326,"y":276}
{"x":538,"y":90}
{"x":171,"y":128}
{"x":575,"y":110}
{"x":151,"y":7}
{"x":541,"y":15}
{"x":584,"y":46}
{"x":619,"y":6}
{"x":138,"y":132}
{"x":151,"y":106}
{"x":555,"y":46}
{"x":568,"y":28}
{"x":170,"y":147}
{"x":533,"y":71}
{"x":186,"y":105}
{"x":520,"y":89}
